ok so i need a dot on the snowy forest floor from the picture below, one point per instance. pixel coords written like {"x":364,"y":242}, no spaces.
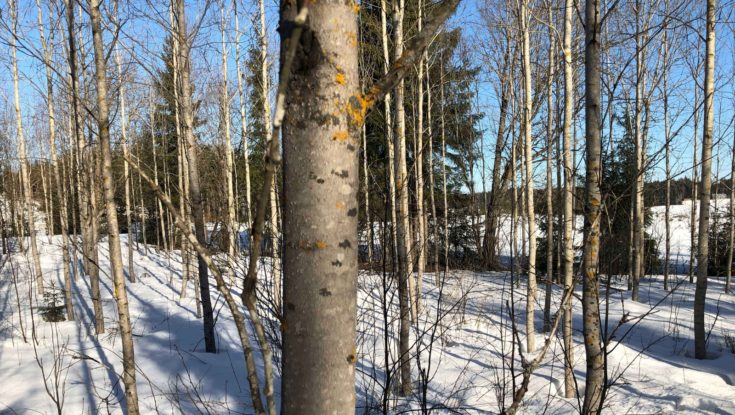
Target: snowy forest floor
{"x":465,"y":352}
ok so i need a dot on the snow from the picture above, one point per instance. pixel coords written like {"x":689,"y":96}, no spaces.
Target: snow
{"x":465,"y":352}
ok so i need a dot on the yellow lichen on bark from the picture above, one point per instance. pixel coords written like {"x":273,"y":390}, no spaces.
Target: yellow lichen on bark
{"x":352,"y":36}
{"x":357,"y":107}
{"x":340,"y":78}
{"x":340,"y":136}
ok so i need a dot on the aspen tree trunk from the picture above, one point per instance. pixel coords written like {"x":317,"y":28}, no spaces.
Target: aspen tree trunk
{"x":728,"y":276}
{"x":161,"y":227}
{"x":405,"y":261}
{"x":530,"y":209}
{"x":47,"y":209}
{"x":590,"y":293}
{"x":366,"y":192}
{"x":638,"y":212}
{"x":444,"y":167}
{"x":695,"y":180}
{"x":182,"y":166}
{"x":432,"y":197}
{"x":24,"y":174}
{"x":419,"y":156}
{"x":569,"y":178}
{"x":118,"y":275}
{"x":275,"y":245}
{"x":700,"y":294}
{"x":91,"y":163}
{"x":644,"y":163}
{"x":491,"y":216}
{"x":85,"y":193}
{"x":321,"y":174}
{"x":126,"y":167}
{"x":549,"y":180}
{"x":187,"y":110}
{"x":232,"y":228}
{"x":55,"y":166}
{"x":667,"y":155}
{"x":387,"y":104}
{"x":275,"y":238}
{"x":243,"y":118}
{"x":405,"y":253}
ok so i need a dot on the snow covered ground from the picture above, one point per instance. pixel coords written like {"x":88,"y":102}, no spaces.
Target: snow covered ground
{"x":465,"y":354}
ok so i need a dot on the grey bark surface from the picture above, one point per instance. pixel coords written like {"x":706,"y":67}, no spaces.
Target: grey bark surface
{"x":195,"y":197}
{"x":321,"y":139}
{"x":569,"y":181}
{"x":118,"y":275}
{"x":591,"y":285}
{"x":705,"y":186}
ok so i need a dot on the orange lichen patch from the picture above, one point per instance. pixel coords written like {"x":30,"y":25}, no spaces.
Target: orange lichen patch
{"x":355,"y":7}
{"x":340,"y":78}
{"x":320,"y":244}
{"x":352,"y":37}
{"x":340,"y":205}
{"x":340,"y":136}
{"x":357,"y":108}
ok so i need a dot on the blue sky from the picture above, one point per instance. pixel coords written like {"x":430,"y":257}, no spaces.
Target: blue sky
{"x":149,"y":37}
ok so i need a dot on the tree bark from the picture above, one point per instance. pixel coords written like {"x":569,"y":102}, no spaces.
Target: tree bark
{"x":640,"y":144}
{"x":530,"y":209}
{"x":321,"y":168}
{"x":590,"y":295}
{"x":55,"y":167}
{"x":667,"y":156}
{"x":700,"y":294}
{"x":569,"y":179}
{"x":498,"y":186}
{"x":233,"y":248}
{"x":549,"y":178}
{"x":405,"y":259}
{"x":126,"y":168}
{"x":24,"y":173}
{"x":419,"y":161}
{"x":187,"y":110}
{"x":243,"y":118}
{"x":118,"y":276}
